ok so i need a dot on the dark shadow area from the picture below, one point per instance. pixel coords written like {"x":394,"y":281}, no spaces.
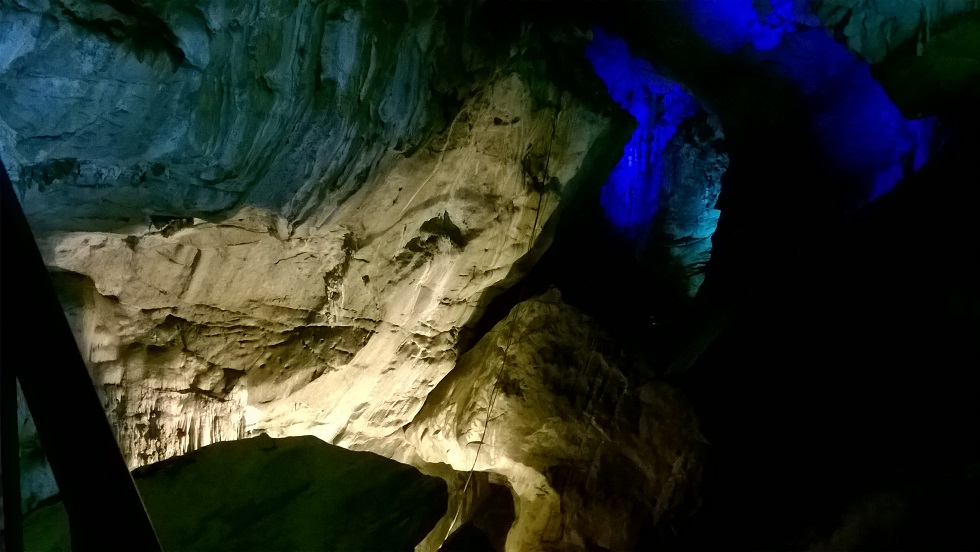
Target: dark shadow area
{"x":853,"y":372}
{"x":487,"y":529}
{"x":296,"y":493}
{"x":849,"y":367}
{"x":839,"y":397}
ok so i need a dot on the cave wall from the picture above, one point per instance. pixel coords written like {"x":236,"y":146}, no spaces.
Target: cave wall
{"x":364,"y":248}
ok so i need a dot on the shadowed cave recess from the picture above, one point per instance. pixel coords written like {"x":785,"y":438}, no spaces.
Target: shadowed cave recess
{"x":507,"y":275}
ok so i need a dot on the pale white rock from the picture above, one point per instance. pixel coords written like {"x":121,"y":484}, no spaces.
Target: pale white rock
{"x":161,"y":394}
{"x":436,"y":233}
{"x":210,"y":273}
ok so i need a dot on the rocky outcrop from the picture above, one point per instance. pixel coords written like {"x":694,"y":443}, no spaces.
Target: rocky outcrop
{"x":284,"y":217}
{"x":542,"y":402}
{"x":456,"y":221}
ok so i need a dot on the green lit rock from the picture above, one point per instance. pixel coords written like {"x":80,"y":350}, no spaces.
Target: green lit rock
{"x":927,"y":78}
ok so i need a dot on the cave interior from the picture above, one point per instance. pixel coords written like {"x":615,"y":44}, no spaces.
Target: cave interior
{"x":723,"y":250}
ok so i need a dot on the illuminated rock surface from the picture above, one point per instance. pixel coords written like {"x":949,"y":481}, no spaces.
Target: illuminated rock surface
{"x":297,"y":493}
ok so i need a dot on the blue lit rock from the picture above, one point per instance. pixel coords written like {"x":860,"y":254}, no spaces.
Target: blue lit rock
{"x":661,"y":195}
{"x":280,"y":217}
{"x":694,"y":164}
{"x":631,"y":196}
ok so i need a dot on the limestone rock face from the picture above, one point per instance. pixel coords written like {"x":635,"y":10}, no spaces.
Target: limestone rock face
{"x":339,"y":329}
{"x":589,"y":458}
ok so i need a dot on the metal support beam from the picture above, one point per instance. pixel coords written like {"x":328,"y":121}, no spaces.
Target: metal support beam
{"x":38,"y":347}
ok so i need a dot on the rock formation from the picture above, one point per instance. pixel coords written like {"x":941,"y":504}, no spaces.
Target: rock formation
{"x":543,"y":401}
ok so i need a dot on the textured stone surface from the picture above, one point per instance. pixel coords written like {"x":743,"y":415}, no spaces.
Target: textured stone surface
{"x":280,"y":217}
{"x":590,"y":459}
{"x":455,"y":221}
{"x":339,"y":328}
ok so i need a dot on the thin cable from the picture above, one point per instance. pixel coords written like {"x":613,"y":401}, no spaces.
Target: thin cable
{"x":495,"y":390}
